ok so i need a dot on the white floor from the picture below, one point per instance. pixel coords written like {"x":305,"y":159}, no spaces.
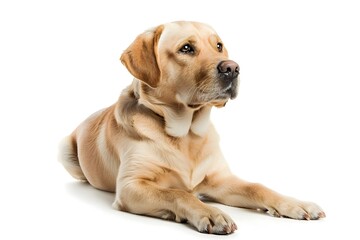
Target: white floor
{"x":56,"y":207}
{"x":295,"y":126}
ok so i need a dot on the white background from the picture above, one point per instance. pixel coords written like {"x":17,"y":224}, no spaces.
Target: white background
{"x":295,"y":126}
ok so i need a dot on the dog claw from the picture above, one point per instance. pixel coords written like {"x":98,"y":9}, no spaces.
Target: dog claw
{"x":227,"y":230}
{"x":306,"y":216}
{"x":234,"y":227}
{"x":321,"y":215}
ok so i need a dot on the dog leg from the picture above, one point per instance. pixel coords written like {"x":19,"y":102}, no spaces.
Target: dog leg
{"x":146,"y":198}
{"x":235,"y":192}
{"x":68,"y":157}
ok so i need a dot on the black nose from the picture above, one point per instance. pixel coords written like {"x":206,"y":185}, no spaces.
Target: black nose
{"x":228,"y":69}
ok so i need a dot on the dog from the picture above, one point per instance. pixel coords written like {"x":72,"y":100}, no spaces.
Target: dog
{"x":156,"y":147}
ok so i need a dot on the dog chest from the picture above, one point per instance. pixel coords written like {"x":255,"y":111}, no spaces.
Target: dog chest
{"x":183,"y":164}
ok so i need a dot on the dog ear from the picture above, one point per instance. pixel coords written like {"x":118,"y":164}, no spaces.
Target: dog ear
{"x":140,"y":58}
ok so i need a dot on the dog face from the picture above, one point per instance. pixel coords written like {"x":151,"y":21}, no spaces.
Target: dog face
{"x":183,"y":63}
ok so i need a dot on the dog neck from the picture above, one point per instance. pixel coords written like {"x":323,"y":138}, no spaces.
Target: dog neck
{"x":179,"y":124}
{"x":179,"y":118}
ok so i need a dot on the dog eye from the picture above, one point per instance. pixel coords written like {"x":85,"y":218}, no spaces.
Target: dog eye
{"x":187,"y":49}
{"x":219,"y":47}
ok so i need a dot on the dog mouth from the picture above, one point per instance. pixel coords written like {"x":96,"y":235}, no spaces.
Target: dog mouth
{"x":230,"y":90}
{"x":217,"y":95}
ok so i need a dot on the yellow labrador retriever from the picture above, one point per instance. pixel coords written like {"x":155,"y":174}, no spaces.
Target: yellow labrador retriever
{"x":156,"y":147}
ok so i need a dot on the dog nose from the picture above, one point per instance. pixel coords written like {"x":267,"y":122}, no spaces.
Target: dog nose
{"x":228,"y":69}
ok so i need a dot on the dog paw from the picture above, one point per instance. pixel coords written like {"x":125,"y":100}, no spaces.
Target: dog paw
{"x":295,"y":209}
{"x":215,"y":222}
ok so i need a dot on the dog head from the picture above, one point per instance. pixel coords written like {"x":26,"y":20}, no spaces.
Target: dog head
{"x":181,"y":69}
{"x":184,"y":63}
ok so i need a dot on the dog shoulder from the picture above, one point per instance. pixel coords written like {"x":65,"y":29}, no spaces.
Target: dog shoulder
{"x":135,"y":119}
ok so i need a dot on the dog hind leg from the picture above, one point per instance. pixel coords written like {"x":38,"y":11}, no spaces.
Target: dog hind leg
{"x":68,"y":157}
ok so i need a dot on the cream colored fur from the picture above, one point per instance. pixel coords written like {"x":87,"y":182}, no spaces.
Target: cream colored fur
{"x":156,"y":147}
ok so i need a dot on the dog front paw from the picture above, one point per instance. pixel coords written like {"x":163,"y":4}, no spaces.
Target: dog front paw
{"x":296,"y":209}
{"x":214,"y":221}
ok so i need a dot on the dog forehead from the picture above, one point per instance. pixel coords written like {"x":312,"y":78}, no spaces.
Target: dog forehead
{"x":176,"y":32}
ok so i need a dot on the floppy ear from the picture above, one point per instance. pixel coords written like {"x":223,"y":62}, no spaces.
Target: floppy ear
{"x":140,"y":58}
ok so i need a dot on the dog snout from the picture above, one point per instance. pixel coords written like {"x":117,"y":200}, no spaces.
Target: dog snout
{"x":228,"y":69}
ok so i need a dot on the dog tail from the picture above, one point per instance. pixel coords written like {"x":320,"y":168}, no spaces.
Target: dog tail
{"x":69,"y":159}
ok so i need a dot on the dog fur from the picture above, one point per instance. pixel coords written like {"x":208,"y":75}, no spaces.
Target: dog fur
{"x":156,"y":147}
